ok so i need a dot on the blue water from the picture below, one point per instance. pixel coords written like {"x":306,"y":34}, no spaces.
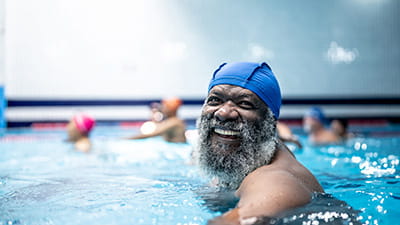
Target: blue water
{"x":44,"y":181}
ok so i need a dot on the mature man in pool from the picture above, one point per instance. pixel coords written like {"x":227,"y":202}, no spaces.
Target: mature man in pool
{"x":238,"y":145}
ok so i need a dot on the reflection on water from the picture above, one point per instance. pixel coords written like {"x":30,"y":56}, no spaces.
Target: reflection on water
{"x":363,"y":172}
{"x":120,"y":182}
{"x":217,"y":200}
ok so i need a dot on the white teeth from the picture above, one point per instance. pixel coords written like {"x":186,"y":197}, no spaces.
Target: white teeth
{"x":226,"y":132}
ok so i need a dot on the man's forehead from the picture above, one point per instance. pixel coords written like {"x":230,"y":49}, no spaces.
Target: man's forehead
{"x":233,"y":89}
{"x":236,"y":92}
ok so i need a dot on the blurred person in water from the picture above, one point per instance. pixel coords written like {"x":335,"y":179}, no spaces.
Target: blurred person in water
{"x":286,"y":134}
{"x":164,"y":122}
{"x":156,"y":116}
{"x":340,"y":128}
{"x":78,"y":130}
{"x":239,"y":147}
{"x":313,"y":124}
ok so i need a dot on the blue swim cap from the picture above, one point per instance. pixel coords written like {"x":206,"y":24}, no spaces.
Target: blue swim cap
{"x":316,"y":113}
{"x":255,"y":77}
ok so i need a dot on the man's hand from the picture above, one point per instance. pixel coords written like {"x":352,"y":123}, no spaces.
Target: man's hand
{"x":229,"y":218}
{"x":232,"y":218}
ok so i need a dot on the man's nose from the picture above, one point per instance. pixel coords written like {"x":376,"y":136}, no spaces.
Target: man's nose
{"x":227,"y":112}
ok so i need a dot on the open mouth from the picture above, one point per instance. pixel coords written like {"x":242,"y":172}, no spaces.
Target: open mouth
{"x":227,"y":137}
{"x":227,"y":133}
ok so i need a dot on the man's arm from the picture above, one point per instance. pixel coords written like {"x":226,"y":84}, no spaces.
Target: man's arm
{"x":286,"y":135}
{"x":160,"y":129}
{"x":265,"y":195}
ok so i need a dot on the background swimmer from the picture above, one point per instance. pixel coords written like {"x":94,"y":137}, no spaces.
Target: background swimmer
{"x":313,"y":124}
{"x":167,"y":124}
{"x":340,"y":127}
{"x":78,"y":130}
{"x":286,"y":134}
{"x":155,"y":117}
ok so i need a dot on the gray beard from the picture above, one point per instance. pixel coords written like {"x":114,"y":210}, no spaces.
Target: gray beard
{"x":256,"y":149}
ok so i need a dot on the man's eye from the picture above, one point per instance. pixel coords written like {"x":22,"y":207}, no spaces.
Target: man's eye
{"x":246,"y":105}
{"x":213,"y":101}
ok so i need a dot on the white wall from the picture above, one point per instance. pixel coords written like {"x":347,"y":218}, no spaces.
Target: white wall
{"x":101,"y":49}
{"x":124,"y":49}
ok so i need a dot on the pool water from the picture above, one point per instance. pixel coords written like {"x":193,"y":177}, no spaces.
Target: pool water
{"x":44,"y":181}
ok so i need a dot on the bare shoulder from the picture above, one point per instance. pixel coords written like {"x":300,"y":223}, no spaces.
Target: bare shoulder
{"x":329,"y":136}
{"x":286,"y":161}
{"x":273,"y":181}
{"x":333,"y":137}
{"x":268,"y":194}
{"x":282,"y":185}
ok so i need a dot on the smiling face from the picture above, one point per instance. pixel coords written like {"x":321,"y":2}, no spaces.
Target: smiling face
{"x":237,"y":134}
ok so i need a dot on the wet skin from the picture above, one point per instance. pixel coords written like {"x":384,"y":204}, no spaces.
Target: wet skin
{"x":270,"y":189}
{"x":231,"y":103}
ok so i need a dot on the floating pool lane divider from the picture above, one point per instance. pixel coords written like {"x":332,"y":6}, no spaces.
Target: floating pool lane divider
{"x":2,"y":111}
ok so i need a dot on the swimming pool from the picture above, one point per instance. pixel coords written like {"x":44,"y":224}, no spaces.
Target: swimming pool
{"x":43,"y":181}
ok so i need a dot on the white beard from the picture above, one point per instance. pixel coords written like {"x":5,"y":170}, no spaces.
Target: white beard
{"x":257,"y":148}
